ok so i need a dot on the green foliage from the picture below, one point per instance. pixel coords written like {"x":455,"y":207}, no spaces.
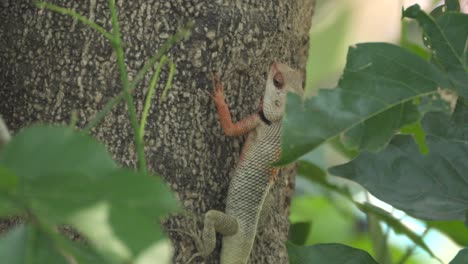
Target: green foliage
{"x":61,"y":176}
{"x":446,"y":37}
{"x":387,"y":90}
{"x":367,"y":88}
{"x":328,"y":253}
{"x":298,"y":232}
{"x":399,"y":175}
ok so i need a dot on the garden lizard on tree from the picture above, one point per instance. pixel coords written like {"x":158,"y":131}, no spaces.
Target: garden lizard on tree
{"x":254,"y":175}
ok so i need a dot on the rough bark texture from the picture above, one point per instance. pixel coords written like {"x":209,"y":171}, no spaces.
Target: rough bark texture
{"x":51,"y":65}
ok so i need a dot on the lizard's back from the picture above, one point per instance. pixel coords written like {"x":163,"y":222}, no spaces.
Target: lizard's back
{"x":248,"y":190}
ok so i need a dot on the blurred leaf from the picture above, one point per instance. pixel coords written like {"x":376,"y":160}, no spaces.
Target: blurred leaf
{"x":126,"y":203}
{"x":23,"y":245}
{"x":368,"y":88}
{"x":446,"y":35}
{"x":395,"y":224}
{"x":8,"y":180}
{"x":461,"y":257}
{"x":431,"y":186}
{"x":67,"y":178}
{"x":298,"y":232}
{"x":42,"y":150}
{"x":454,"y":229}
{"x":8,"y":185}
{"x":327,"y":253}
{"x":28,"y":244}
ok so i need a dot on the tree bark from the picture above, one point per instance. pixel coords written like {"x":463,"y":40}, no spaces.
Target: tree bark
{"x":51,"y":65}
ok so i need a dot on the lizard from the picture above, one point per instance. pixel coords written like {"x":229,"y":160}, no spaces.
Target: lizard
{"x":254,"y":175}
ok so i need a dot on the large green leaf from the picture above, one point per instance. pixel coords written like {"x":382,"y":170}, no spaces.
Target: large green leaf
{"x":364,"y":137}
{"x":47,"y":149}
{"x":65,"y":177}
{"x":461,"y":257}
{"x":377,"y":78}
{"x":447,"y":36}
{"x":328,"y":253}
{"x":126,"y":203}
{"x":432,"y":186}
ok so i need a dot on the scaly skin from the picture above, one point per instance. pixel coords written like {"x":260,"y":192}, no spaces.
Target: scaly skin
{"x":254,"y":175}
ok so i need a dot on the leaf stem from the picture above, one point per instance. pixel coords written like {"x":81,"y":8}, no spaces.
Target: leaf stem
{"x":151,"y":90}
{"x":117,"y":44}
{"x":379,"y":238}
{"x":83,"y":19}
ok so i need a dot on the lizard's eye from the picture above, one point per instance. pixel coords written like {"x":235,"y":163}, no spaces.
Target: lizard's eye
{"x":278,"y":80}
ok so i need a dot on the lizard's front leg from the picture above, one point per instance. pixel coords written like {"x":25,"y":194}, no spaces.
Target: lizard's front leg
{"x":231,"y":129}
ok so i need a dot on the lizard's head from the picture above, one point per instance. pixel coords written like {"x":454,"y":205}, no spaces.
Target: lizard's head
{"x":281,"y":80}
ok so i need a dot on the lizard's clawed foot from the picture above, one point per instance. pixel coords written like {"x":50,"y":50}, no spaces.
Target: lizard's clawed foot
{"x":195,"y":234}
{"x":218,"y":93}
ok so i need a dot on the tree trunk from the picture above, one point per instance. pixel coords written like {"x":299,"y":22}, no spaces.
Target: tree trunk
{"x":51,"y":65}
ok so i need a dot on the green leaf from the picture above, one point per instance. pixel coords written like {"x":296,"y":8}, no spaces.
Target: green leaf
{"x":452,"y":5}
{"x":8,"y":185}
{"x":311,"y":171}
{"x":377,"y":77}
{"x":42,"y":150}
{"x":8,"y":180}
{"x":327,"y":253}
{"x":461,"y":257}
{"x":431,"y":186}
{"x":446,"y":35}
{"x":364,"y":137}
{"x":396,"y":225}
{"x":28,"y":245}
{"x":118,"y":211}
{"x":67,"y":178}
{"x":456,"y":230}
{"x":298,"y":232}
